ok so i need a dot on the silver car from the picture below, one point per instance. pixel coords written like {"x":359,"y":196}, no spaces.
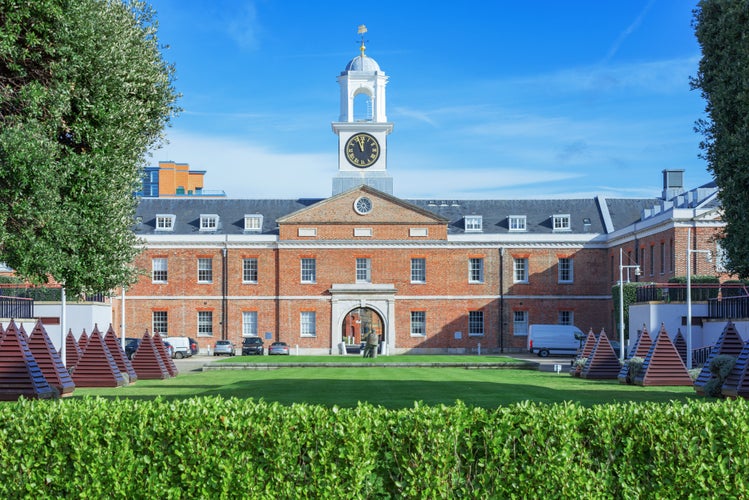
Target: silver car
{"x":224,"y":347}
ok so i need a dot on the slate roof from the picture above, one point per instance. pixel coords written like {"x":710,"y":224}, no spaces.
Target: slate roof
{"x":585,"y":214}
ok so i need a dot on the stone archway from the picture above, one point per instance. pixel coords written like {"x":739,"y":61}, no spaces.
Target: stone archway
{"x":357,"y":324}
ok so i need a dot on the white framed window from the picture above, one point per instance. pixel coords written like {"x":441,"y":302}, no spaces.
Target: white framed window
{"x":307,"y":232}
{"x":253,"y":222}
{"x":159,"y":270}
{"x":249,"y":323}
{"x":473,"y":222}
{"x":208,"y":222}
{"x":566,"y":318}
{"x":418,"y":323}
{"x":418,"y":270}
{"x":475,"y":323}
{"x":520,"y":322}
{"x":476,"y":270}
{"x":307,"y":322}
{"x":309,"y":270}
{"x":520,"y":270}
{"x":205,"y":323}
{"x":165,"y":222}
{"x":160,"y":323}
{"x":566,"y":270}
{"x":249,"y":270}
{"x":363,"y":270}
{"x":205,"y":270}
{"x":517,"y":223}
{"x":562,"y":222}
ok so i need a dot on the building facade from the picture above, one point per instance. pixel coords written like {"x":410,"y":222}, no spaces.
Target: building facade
{"x":425,"y":275}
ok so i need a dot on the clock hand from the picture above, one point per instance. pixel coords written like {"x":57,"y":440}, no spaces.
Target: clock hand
{"x":360,"y":141}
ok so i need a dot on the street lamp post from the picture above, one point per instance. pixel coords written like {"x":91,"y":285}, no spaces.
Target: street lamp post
{"x":622,"y":267}
{"x":709,"y":257}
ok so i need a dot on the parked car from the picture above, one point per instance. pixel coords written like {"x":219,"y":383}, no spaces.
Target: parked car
{"x":181,"y":346}
{"x":131,"y":345}
{"x":278,"y":348}
{"x":169,"y":349}
{"x":193,"y":346}
{"x":252,"y":345}
{"x":224,"y":347}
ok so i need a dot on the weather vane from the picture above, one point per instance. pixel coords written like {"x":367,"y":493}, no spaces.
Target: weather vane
{"x":362,"y":29}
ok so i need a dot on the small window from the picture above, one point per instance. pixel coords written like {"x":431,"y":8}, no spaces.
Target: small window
{"x":520,"y":271}
{"x":562,"y":222}
{"x":253,"y":222}
{"x":165,"y":222}
{"x":249,"y":270}
{"x":418,"y":323}
{"x":205,"y":323}
{"x":363,"y":270}
{"x":159,"y":273}
{"x":418,"y":232}
{"x":566,"y":318}
{"x":475,"y":323}
{"x":476,"y":270}
{"x":205,"y":270}
{"x":208,"y":222}
{"x":160,"y":323}
{"x":307,"y":324}
{"x":307,"y":232}
{"x":517,"y":222}
{"x":520,"y":322}
{"x":249,"y":323}
{"x":309,"y":270}
{"x":473,"y":222}
{"x":418,"y":270}
{"x":565,"y":270}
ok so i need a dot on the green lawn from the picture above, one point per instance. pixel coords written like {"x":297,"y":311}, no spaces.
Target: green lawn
{"x":392,"y":387}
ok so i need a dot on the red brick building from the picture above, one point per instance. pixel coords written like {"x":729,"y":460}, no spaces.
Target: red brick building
{"x":425,"y":275}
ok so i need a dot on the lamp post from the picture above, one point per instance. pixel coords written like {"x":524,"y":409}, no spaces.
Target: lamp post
{"x":622,"y":267}
{"x":709,"y":257}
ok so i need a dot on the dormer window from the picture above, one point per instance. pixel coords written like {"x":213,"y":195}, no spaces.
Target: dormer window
{"x":517,"y":222}
{"x":165,"y":222}
{"x":473,"y":222}
{"x":208,"y":222}
{"x":562,"y":222}
{"x":253,"y":222}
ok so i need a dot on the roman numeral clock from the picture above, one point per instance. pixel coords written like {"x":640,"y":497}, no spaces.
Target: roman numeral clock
{"x":362,"y":132}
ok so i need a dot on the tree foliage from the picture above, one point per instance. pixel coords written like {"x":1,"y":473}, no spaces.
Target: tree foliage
{"x":84,"y":95}
{"x":722,"y":30}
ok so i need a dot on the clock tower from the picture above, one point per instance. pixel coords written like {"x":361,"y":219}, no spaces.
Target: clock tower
{"x":362,"y":127}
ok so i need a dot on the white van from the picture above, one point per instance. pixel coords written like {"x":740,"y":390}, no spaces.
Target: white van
{"x":181,"y":346}
{"x":554,"y":339}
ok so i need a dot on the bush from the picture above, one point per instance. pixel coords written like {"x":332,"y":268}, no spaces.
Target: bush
{"x":634,"y":367}
{"x":720,"y":368}
{"x":229,"y":448}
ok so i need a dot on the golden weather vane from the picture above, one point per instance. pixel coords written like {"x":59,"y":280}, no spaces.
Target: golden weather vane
{"x":361,"y":30}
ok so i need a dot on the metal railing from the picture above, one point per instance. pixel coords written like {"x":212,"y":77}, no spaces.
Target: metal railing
{"x":677,"y":292}
{"x":16,"y":307}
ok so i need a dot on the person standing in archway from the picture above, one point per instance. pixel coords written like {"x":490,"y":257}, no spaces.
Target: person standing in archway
{"x":370,"y":351}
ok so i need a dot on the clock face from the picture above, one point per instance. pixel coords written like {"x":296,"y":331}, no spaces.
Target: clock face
{"x":362,"y":150}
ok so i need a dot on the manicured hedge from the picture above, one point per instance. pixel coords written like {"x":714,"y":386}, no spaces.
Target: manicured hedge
{"x":229,"y":448}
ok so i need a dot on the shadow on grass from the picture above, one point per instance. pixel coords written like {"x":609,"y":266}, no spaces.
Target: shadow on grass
{"x":488,"y":390}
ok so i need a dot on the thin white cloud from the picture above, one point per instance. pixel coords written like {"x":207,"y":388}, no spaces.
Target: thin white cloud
{"x":626,"y":33}
{"x":244,"y":27}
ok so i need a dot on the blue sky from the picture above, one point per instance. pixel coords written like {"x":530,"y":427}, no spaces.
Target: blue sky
{"x":489,"y":99}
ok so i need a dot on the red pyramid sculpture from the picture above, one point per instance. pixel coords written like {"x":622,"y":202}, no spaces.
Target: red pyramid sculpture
{"x":737,"y":382}
{"x":663,"y":365}
{"x":97,"y":367}
{"x":680,"y":343}
{"x":603,"y":362}
{"x":147,"y":361}
{"x":729,"y":342}
{"x":161,"y":348}
{"x":73,"y":353}
{"x":20,"y":375}
{"x":49,"y":361}
{"x":82,"y":341}
{"x":640,"y":349}
{"x":584,"y":353}
{"x":118,"y":353}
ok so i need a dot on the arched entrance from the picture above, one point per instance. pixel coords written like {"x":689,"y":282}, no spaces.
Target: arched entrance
{"x":359,"y":322}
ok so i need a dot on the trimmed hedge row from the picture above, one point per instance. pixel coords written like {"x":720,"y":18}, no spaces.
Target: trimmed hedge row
{"x":230,"y":448}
